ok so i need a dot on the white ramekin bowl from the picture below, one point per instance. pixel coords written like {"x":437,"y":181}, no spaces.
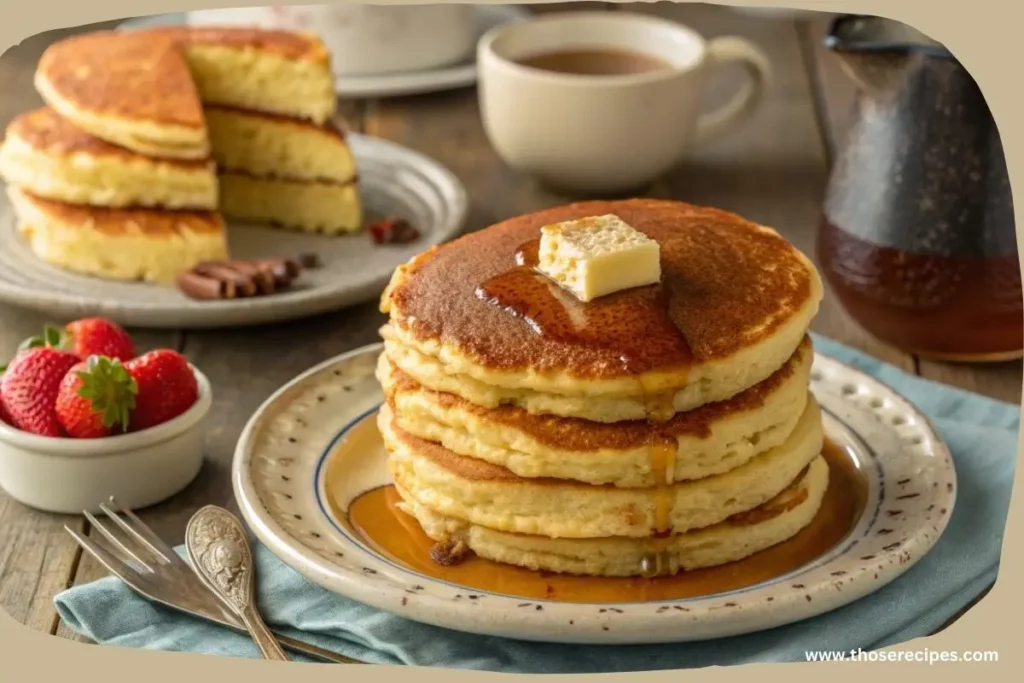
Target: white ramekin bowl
{"x":139,"y":469}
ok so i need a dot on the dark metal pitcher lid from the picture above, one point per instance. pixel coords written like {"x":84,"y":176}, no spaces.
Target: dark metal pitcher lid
{"x":862,"y":33}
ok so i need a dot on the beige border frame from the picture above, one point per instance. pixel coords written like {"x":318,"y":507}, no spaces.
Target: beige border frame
{"x":983,"y":35}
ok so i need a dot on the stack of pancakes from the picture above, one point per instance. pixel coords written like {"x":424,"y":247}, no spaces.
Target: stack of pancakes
{"x":653,"y":430}
{"x":148,"y":137}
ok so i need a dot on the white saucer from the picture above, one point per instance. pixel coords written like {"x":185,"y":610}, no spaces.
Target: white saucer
{"x":394,"y":181}
{"x":392,"y":85}
{"x":278,"y":478}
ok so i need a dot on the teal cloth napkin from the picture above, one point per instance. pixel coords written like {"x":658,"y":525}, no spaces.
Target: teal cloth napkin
{"x":981,"y":433}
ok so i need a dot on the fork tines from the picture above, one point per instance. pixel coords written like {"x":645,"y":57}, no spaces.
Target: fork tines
{"x":136,"y":547}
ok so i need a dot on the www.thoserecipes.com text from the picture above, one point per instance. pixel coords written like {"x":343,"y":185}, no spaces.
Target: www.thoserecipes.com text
{"x":925,"y":656}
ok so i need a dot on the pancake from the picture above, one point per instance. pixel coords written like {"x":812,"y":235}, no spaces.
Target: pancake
{"x":485,"y":494}
{"x":49,"y":157}
{"x":708,"y":440}
{"x":734,"y":303}
{"x":133,"y":89}
{"x":269,"y":145}
{"x":736,"y":538}
{"x":324,"y":207}
{"x":278,"y":72}
{"x":119,"y":244}
{"x":143,"y":89}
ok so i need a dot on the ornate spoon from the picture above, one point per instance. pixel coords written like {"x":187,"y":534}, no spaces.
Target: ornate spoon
{"x":219,"y":550}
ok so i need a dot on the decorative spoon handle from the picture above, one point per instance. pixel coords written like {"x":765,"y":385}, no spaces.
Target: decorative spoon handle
{"x":219,"y":550}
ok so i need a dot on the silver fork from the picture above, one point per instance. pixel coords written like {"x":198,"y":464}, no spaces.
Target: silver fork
{"x":151,"y":568}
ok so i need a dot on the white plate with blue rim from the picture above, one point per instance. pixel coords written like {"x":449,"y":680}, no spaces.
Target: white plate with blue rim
{"x":460,"y":75}
{"x":280,"y":475}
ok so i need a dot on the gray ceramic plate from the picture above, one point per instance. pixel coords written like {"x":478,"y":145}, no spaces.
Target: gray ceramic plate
{"x":395,"y":181}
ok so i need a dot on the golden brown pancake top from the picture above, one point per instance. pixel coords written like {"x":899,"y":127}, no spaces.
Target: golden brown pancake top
{"x":576,"y":434}
{"x":726,"y":284}
{"x":49,"y":133}
{"x":152,"y":222}
{"x":287,"y":44}
{"x":124,"y":74}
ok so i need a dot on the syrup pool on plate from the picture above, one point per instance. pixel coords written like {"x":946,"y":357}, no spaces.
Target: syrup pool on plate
{"x":376,"y":520}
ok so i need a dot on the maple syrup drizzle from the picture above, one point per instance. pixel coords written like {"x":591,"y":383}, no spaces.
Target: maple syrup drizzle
{"x":636,"y":325}
{"x":528,"y":255}
{"x":375,"y":517}
{"x":662,"y":453}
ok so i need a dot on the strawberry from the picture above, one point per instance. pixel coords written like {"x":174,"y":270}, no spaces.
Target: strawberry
{"x":166,"y":387}
{"x":95,"y":398}
{"x":4,"y":417}
{"x":86,"y":337}
{"x":29,"y":389}
{"x":99,"y":337}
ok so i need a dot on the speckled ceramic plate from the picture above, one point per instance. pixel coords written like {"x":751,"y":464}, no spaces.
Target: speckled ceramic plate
{"x":394,"y":180}
{"x":279,"y":471}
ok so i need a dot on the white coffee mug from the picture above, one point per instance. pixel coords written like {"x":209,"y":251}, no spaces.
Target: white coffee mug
{"x":366,"y":40}
{"x":607,"y":133}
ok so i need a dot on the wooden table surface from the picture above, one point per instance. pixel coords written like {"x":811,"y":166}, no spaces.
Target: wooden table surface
{"x":772,"y":170}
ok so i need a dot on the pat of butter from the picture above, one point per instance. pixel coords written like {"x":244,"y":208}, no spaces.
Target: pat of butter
{"x":595,"y":256}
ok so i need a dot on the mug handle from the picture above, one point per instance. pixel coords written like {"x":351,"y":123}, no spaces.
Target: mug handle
{"x":735,"y":50}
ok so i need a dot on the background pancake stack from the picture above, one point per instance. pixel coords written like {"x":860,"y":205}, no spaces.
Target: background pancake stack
{"x":653,"y":430}
{"x":148,"y":137}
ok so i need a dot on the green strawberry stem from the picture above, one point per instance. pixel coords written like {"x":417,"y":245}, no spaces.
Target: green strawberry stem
{"x":52,"y":336}
{"x":110,"y":389}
